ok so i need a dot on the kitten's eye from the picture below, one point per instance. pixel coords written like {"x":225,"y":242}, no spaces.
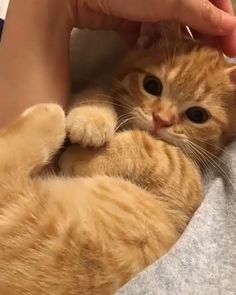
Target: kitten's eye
{"x":153,"y":85}
{"x":197,"y":115}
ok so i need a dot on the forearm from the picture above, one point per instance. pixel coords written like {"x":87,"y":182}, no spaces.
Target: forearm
{"x":34,"y":56}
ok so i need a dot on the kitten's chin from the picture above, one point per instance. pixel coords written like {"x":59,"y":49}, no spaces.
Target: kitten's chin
{"x":145,"y":125}
{"x":168,"y":137}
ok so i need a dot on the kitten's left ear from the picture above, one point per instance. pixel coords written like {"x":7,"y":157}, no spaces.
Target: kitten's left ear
{"x":231,"y":71}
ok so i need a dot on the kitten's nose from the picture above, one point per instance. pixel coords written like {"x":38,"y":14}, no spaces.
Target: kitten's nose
{"x":161,"y":122}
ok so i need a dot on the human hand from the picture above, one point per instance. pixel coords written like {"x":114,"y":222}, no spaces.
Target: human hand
{"x":212,"y":18}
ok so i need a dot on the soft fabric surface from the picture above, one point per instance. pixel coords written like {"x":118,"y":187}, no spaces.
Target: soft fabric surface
{"x":3,"y":8}
{"x":203,"y":262}
{"x":3,"y":11}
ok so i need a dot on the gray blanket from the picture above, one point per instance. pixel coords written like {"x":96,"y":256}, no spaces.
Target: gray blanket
{"x":203,"y":261}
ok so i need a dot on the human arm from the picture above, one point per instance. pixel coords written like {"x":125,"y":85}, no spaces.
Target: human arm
{"x":34,"y":56}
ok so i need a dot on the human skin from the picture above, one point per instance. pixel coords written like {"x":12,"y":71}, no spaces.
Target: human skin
{"x":35,"y":42}
{"x":34,"y":52}
{"x":208,"y":19}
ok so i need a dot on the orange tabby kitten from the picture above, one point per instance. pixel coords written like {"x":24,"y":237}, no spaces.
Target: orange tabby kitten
{"x":182,"y":93}
{"x":90,"y":235}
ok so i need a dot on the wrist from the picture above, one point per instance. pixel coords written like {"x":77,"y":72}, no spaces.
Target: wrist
{"x":34,"y":55}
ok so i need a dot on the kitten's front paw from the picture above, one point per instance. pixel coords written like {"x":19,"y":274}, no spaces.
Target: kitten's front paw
{"x":42,"y":117}
{"x":43,"y":131}
{"x":90,"y":127}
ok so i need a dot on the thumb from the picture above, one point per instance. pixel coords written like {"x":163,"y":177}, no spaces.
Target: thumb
{"x":228,"y":43}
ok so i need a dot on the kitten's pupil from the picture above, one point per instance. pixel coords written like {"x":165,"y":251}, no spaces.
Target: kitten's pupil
{"x":153,"y":85}
{"x":197,"y":115}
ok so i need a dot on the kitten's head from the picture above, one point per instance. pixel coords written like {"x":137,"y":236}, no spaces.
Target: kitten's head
{"x":181,"y":91}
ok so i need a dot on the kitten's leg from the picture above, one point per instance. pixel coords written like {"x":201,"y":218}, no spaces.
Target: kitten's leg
{"x":127,"y":154}
{"x":92,"y":121}
{"x":32,"y":139}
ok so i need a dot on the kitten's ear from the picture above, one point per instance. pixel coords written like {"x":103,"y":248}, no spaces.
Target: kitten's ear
{"x":231,"y":71}
{"x":170,"y":30}
{"x":150,"y":33}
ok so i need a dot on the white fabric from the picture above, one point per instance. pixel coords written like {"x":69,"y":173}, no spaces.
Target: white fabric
{"x":3,"y":8}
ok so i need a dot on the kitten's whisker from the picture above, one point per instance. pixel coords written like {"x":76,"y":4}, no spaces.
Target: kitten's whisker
{"x":210,"y":154}
{"x":205,"y":165}
{"x":124,"y":99}
{"x":219,"y":169}
{"x":127,"y":97}
{"x":215,"y":146}
{"x":123,"y":123}
{"x":208,"y":157}
{"x":192,"y":153}
{"x":122,"y":118}
{"x":109,"y":89}
{"x":88,"y":102}
{"x":117,"y":101}
{"x":124,"y":115}
{"x":166,"y":49}
{"x":205,"y":160}
{"x":174,"y":52}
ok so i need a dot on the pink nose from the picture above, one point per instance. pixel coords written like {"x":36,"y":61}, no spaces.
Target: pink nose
{"x":160,"y":122}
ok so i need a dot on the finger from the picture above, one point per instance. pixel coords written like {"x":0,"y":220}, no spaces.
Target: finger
{"x":129,"y":31}
{"x":225,"y":5}
{"x":228,"y":42}
{"x":90,"y":19}
{"x":93,"y":19}
{"x":213,"y":41}
{"x":206,"y":18}
{"x":135,"y":10}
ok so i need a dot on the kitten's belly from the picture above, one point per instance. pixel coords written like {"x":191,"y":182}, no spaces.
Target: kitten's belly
{"x":85,"y":232}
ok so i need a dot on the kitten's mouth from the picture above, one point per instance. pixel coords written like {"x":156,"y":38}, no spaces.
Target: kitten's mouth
{"x":154,"y":133}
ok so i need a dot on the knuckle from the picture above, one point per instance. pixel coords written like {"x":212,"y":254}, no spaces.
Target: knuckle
{"x":211,"y":14}
{"x":206,"y":9}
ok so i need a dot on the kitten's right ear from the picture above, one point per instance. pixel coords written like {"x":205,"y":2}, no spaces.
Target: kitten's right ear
{"x":170,"y":30}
